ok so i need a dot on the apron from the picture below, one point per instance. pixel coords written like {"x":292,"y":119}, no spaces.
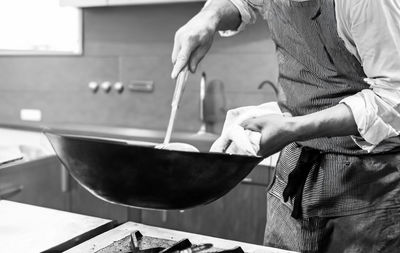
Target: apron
{"x":323,"y":177}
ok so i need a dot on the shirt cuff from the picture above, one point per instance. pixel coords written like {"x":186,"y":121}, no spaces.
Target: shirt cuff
{"x":247,"y":15}
{"x":372,"y":128}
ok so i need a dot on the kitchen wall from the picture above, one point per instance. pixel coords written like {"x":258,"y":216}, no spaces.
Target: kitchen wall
{"x":133,"y":43}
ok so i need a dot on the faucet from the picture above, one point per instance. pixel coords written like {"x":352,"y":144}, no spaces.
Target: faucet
{"x":277,"y":89}
{"x":212,"y":105}
{"x":203,"y":126}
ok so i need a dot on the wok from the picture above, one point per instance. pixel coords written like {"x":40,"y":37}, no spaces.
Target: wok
{"x":145,"y":177}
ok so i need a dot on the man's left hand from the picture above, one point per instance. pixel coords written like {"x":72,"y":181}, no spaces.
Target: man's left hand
{"x":276,"y":132}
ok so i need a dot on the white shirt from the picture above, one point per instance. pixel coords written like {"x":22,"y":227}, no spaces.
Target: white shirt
{"x":370,"y":30}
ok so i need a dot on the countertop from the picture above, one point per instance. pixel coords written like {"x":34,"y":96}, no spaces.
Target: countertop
{"x":18,"y":146}
{"x":26,"y":228}
{"x":127,"y":228}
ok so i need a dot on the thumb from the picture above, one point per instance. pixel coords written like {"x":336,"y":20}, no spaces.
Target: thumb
{"x":220,"y":145}
{"x":252,"y":125}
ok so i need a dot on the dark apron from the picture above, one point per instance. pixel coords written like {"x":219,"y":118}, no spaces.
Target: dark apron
{"x":323,"y":177}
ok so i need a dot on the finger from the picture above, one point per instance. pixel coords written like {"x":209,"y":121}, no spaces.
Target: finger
{"x":197,"y":56}
{"x":175,"y":50}
{"x":251,"y":124}
{"x":220,"y":145}
{"x":181,"y":60}
{"x":255,"y":140}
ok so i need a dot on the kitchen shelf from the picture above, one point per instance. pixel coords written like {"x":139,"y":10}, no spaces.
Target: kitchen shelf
{"x":99,"y":3}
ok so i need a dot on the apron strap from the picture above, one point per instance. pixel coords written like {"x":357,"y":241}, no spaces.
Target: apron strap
{"x":308,"y":158}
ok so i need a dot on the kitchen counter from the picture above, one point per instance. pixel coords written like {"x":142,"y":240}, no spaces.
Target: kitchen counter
{"x":27,"y":228}
{"x":18,"y":146}
{"x":127,"y":228}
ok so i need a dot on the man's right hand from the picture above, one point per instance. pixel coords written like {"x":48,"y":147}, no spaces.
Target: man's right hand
{"x":192,"y":42}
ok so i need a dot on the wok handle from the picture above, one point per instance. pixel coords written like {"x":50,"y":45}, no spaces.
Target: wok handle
{"x":64,"y":179}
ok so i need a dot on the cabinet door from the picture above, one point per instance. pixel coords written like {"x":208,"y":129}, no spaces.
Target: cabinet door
{"x":39,"y":182}
{"x":84,"y":202}
{"x":240,"y":215}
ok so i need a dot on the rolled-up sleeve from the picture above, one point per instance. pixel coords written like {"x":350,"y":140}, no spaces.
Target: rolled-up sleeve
{"x":248,"y":10}
{"x":373,"y":27}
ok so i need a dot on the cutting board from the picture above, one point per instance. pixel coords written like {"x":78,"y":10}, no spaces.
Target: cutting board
{"x":124,"y":230}
{"x":26,"y":228}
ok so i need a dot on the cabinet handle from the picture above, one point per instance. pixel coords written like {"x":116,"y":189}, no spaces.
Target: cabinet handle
{"x":64,"y":179}
{"x":9,"y":192}
{"x":141,"y":86}
{"x":164,"y":216}
{"x":249,"y":181}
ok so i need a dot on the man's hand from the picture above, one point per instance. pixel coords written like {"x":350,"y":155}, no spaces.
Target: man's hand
{"x":192,"y":42}
{"x":277,"y":131}
{"x":234,"y":138}
{"x":194,"y":39}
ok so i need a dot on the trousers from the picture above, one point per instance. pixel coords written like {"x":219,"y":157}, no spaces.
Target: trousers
{"x":373,"y":231}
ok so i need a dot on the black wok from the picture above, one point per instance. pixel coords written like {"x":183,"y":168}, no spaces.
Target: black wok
{"x":145,"y":177}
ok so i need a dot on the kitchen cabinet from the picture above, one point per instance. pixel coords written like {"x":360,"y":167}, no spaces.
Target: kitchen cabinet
{"x":36,"y":182}
{"x":44,"y":182}
{"x":239,"y":215}
{"x":93,"y":3}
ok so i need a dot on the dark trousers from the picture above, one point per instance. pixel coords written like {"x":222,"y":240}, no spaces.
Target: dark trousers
{"x":372,"y":231}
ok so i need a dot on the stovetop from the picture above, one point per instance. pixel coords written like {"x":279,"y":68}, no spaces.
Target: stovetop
{"x":138,"y":243}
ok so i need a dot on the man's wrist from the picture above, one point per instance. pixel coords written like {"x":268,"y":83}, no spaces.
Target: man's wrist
{"x":303,"y":128}
{"x":335,"y":121}
{"x":213,"y":17}
{"x":297,"y":128}
{"x":222,"y":14}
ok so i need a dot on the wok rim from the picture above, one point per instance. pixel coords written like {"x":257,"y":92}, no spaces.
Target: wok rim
{"x":116,"y":141}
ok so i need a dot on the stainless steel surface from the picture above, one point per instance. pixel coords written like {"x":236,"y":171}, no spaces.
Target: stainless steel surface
{"x":142,"y":176}
{"x":118,"y":87}
{"x":106,"y":86}
{"x":93,"y":86}
{"x":141,"y":86}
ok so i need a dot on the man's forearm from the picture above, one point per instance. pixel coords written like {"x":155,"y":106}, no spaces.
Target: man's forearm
{"x":334,"y":121}
{"x":223,"y":13}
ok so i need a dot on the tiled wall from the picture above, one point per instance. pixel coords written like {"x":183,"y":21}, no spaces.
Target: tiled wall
{"x":134,"y":43}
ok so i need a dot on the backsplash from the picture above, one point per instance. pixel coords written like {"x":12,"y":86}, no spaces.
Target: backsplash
{"x":130,"y":43}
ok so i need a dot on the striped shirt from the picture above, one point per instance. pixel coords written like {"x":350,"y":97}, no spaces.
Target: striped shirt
{"x":370,"y":30}
{"x":328,"y":177}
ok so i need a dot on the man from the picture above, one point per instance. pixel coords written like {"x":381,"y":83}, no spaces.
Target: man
{"x":337,"y":185}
